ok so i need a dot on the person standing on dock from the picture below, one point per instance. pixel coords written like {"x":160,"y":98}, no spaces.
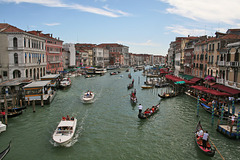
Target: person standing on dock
{"x":140,"y":107}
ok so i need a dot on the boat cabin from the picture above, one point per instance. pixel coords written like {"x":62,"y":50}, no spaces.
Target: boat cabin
{"x":53,"y":78}
{"x":38,"y":89}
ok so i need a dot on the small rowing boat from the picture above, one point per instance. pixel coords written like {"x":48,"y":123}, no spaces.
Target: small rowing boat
{"x":208,"y":150}
{"x":149,"y":112}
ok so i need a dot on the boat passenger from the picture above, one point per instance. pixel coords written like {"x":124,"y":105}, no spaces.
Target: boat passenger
{"x":72,"y":118}
{"x":147,"y":111}
{"x":153,"y":108}
{"x":63,"y":118}
{"x":199,"y":134}
{"x":68,"y":118}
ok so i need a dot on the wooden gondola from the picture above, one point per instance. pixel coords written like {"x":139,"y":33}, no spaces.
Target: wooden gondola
{"x":11,"y":114}
{"x":145,"y":116}
{"x":129,"y":75}
{"x":5,"y":151}
{"x":10,"y":109}
{"x":167,"y":95}
{"x":209,"y":150}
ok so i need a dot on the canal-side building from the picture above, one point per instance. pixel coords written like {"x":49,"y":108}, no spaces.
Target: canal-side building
{"x":98,"y":59}
{"x":53,"y":52}
{"x":22,"y":54}
{"x":87,"y":47}
{"x":71,"y":55}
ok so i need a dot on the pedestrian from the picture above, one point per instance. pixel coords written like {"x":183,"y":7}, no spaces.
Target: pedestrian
{"x":140,"y":107}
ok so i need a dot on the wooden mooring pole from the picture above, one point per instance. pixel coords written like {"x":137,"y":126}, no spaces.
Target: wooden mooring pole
{"x":33,"y":103}
{"x":42,"y":101}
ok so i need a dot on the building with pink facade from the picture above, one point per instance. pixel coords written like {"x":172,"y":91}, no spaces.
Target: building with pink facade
{"x":53,"y":52}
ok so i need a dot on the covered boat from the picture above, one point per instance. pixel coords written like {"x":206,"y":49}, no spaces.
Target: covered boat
{"x":167,"y":95}
{"x":65,"y":82}
{"x":2,"y":127}
{"x":146,"y":87}
{"x":5,"y":151}
{"x":149,"y":112}
{"x":88,"y":96}
{"x":208,"y":150}
{"x":65,"y":131}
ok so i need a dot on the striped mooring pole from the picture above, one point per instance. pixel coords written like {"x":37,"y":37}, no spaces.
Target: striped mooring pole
{"x":238,"y":125}
{"x":212,"y":112}
{"x":222,"y":112}
{"x":198,"y":106}
{"x":233,"y":107}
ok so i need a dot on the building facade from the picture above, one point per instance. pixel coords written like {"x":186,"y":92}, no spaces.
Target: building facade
{"x":22,"y":54}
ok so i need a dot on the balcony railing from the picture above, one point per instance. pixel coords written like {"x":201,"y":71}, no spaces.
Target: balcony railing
{"x":234,"y":64}
{"x":221,"y":81}
{"x":228,"y":64}
{"x":56,"y":52}
{"x":221,"y":63}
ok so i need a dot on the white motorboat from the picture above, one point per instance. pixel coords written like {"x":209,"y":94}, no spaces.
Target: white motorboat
{"x":88,"y":96}
{"x":2,"y":127}
{"x":65,"y":82}
{"x":65,"y":131}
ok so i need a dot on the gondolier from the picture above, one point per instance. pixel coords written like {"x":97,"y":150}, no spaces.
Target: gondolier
{"x":140,"y":107}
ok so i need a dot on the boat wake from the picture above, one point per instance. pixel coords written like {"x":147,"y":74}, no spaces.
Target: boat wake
{"x":78,"y":132}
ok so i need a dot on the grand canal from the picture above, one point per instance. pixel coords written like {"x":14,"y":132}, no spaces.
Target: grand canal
{"x":109,"y":128}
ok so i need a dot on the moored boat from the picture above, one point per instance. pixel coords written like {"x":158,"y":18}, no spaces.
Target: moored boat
{"x":88,"y":96}
{"x":167,"y":95}
{"x":5,"y":151}
{"x":151,"y":112}
{"x":208,"y":150}
{"x":65,"y":131}
{"x":2,"y":127}
{"x":146,"y":87}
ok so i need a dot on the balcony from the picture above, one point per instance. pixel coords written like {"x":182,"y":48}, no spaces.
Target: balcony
{"x":51,"y":62}
{"x":221,"y":63}
{"x":54,"y":52}
{"x":221,"y":81}
{"x":234,"y":64}
{"x":228,"y":64}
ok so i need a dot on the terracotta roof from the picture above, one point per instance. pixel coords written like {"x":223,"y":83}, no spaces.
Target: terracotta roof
{"x":7,"y":28}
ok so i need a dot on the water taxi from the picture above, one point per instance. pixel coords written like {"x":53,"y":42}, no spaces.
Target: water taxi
{"x":65,"y":131}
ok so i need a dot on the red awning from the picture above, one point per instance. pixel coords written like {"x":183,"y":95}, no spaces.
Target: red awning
{"x":215,"y":92}
{"x":200,"y":88}
{"x":226,"y":89}
{"x":195,"y":79}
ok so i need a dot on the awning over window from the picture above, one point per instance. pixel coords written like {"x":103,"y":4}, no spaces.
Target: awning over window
{"x":226,"y":89}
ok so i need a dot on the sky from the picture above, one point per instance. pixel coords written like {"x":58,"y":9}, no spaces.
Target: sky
{"x":145,"y":26}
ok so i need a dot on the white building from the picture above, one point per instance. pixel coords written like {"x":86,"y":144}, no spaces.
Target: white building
{"x":21,"y":54}
{"x":70,"y":47}
{"x":98,"y":59}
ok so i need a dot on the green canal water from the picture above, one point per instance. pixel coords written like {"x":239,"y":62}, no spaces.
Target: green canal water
{"x":109,"y":128}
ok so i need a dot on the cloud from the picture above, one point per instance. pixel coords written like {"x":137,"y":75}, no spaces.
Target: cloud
{"x":58,"y":3}
{"x":185,"y":31}
{"x":51,"y":24}
{"x":211,"y":11}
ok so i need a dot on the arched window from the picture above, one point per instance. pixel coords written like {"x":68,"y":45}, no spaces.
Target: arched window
{"x":15,"y":44}
{"x":15,"y":58}
{"x":26,"y":73}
